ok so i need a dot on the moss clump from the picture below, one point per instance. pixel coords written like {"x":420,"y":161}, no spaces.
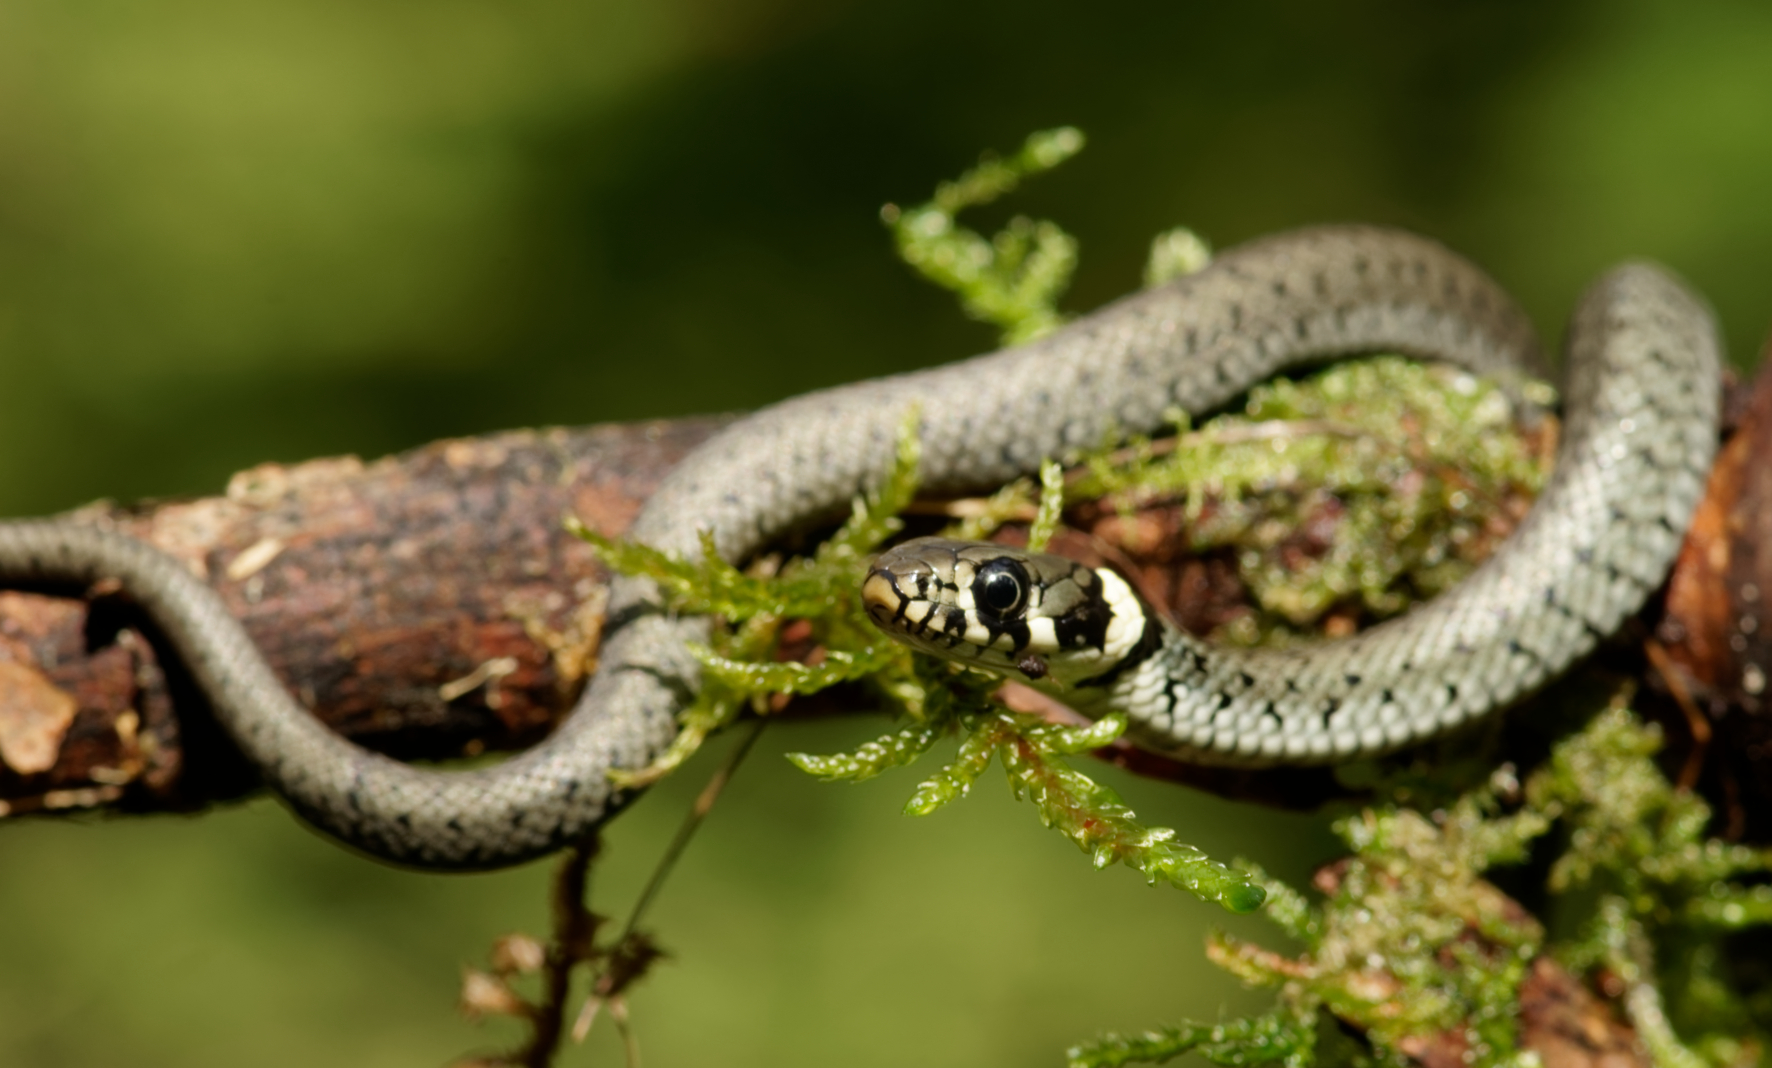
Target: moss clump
{"x":1412,"y":945}
{"x":1646,"y":896}
{"x":1358,"y":490}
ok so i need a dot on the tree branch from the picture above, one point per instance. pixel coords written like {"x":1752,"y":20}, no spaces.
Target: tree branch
{"x":430,"y":605}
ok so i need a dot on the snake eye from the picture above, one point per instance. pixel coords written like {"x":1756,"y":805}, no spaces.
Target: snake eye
{"x":1000,"y":588}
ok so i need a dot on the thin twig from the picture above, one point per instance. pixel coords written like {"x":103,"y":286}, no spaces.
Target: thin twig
{"x":628,"y":957}
{"x":1696,"y":721}
{"x":698,"y":812}
{"x":574,"y":928}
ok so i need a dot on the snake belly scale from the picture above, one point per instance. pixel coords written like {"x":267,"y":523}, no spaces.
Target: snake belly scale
{"x":1639,"y":431}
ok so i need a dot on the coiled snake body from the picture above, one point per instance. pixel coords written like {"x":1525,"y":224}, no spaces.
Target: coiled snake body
{"x":1639,"y":431}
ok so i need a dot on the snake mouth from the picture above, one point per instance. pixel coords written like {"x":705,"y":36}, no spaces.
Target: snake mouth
{"x":886,"y":604}
{"x":895,"y":597}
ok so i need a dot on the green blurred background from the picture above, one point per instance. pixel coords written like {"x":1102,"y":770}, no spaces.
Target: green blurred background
{"x":235,"y":232}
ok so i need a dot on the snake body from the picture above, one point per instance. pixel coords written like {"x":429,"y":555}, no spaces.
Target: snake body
{"x":1641,"y":388}
{"x":1640,"y":427}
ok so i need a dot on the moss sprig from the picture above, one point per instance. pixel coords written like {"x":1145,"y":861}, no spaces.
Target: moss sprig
{"x":1031,"y":752}
{"x":1275,"y":1038}
{"x":1175,"y":253}
{"x":1012,"y":279}
{"x":1051,"y":507}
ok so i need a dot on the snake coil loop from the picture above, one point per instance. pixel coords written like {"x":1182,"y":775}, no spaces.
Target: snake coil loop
{"x":1639,"y":431}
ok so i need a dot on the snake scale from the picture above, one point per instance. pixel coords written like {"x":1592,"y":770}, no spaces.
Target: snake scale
{"x":1640,"y":398}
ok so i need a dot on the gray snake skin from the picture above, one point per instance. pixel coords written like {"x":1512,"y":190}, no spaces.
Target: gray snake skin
{"x":1640,"y":428}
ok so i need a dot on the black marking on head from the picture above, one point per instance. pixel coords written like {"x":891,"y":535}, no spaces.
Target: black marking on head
{"x":1017,"y":630}
{"x":903,"y":601}
{"x":1149,"y":641}
{"x":956,"y":621}
{"x":1086,"y":624}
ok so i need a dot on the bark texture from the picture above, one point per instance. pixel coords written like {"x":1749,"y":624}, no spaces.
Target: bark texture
{"x":428,"y":604}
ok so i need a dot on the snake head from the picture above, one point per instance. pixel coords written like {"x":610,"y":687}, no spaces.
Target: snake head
{"x":1034,"y":615}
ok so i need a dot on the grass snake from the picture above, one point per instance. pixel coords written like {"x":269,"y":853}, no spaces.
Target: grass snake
{"x":1640,"y":413}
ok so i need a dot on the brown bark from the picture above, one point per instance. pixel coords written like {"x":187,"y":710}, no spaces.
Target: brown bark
{"x":1713,"y":647}
{"x":428,"y":604}
{"x":1568,"y":1026}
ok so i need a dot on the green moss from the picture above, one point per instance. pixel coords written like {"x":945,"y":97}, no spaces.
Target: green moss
{"x":1648,"y":896}
{"x":1173,"y":254}
{"x":1412,"y":943}
{"x":1412,"y":472}
{"x":1276,"y":1038}
{"x":1012,"y":279}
